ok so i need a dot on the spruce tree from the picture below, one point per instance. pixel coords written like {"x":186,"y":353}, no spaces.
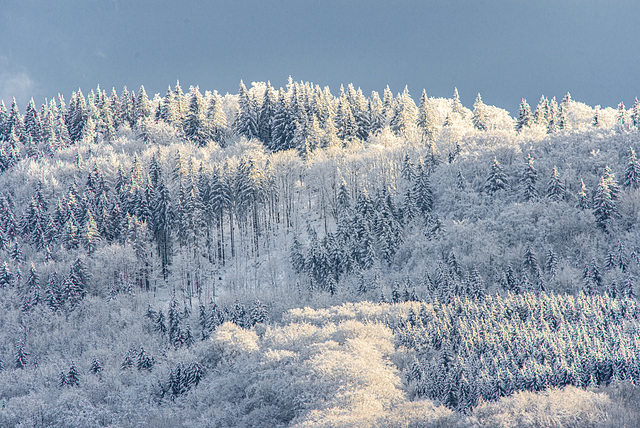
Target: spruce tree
{"x":497,"y":179}
{"x":632,"y":171}
{"x":73,"y":376}
{"x":529,"y":178}
{"x":20,"y":357}
{"x":525,"y":119}
{"x":479,"y":117}
{"x":604,"y":205}
{"x":555,"y":187}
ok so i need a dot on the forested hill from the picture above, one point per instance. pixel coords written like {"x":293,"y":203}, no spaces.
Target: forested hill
{"x":178,"y":189}
{"x":117,"y":208}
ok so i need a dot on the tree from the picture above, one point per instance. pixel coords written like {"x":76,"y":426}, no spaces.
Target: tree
{"x":247,"y":120}
{"x":163,"y":217}
{"x":604,"y":206}
{"x":583,"y":197}
{"x":555,"y":187}
{"x":635,"y":114}
{"x":497,"y":179}
{"x":525,"y":119}
{"x":73,"y":376}
{"x":32,"y":289}
{"x":195,"y":124}
{"x":529,"y":178}
{"x":20,"y":357}
{"x":421,"y":190}
{"x":405,"y":114}
{"x":621,"y":117}
{"x":479,"y":117}
{"x":632,"y":170}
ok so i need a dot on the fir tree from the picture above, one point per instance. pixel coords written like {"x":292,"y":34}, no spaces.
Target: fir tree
{"x":604,"y":205}
{"x":20,"y":357}
{"x":497,"y":179}
{"x":96,"y":367}
{"x":525,"y":119}
{"x":555,"y":187}
{"x":632,"y":170}
{"x":73,"y":376}
{"x":529,"y":178}
{"x":479,"y":117}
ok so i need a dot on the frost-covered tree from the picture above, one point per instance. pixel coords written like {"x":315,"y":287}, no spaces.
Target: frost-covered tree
{"x":497,"y":179}
{"x":632,"y":171}
{"x":528,"y":180}
{"x":479,"y":117}
{"x":555,"y":187}
{"x":604,"y":205}
{"x":525,"y":118}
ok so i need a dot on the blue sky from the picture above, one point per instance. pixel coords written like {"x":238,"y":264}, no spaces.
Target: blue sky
{"x":505,"y":50}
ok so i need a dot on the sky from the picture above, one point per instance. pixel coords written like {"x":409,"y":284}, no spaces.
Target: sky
{"x":504,"y":49}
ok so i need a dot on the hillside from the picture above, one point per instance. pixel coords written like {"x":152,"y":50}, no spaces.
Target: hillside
{"x":156,"y":254}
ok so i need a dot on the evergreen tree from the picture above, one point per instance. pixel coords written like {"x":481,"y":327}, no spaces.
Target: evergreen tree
{"x":20,"y":357}
{"x":421,"y":190}
{"x":529,"y":178}
{"x":73,"y":376}
{"x":145,"y":361}
{"x":479,"y":117}
{"x":525,"y":119}
{"x":632,"y":171}
{"x":247,"y":120}
{"x":195,"y":123}
{"x":612,"y":183}
{"x":555,"y":187}
{"x":621,"y":117}
{"x":497,"y":179}
{"x":552,"y":116}
{"x":96,"y":367}
{"x":456,"y":105}
{"x":6,"y":278}
{"x":635,"y":114}
{"x":405,"y":114}
{"x":31,"y":295}
{"x":604,"y":205}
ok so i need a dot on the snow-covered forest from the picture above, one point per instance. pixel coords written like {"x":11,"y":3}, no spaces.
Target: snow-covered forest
{"x":293,"y":256}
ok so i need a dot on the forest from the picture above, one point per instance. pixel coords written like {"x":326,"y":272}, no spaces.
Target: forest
{"x":291,"y":257}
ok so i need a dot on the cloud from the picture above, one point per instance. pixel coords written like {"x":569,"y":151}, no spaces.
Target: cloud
{"x":15,"y":82}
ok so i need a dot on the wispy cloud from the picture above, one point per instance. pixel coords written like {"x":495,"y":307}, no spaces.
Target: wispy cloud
{"x":15,"y":82}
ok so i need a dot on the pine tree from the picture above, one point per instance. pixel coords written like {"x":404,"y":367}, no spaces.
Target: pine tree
{"x":632,"y":171}
{"x":635,"y":114}
{"x":32,"y":289}
{"x":552,"y":117}
{"x":73,"y":376}
{"x":525,"y":119}
{"x":604,"y":205}
{"x":497,"y":179}
{"x":621,"y":117}
{"x":555,"y":187}
{"x":20,"y":357}
{"x":421,"y":190}
{"x":247,"y":120}
{"x":479,"y":117}
{"x":6,"y":278}
{"x":145,"y":361}
{"x":405,"y":114}
{"x":96,"y":367}
{"x":426,"y":119}
{"x":195,"y":123}
{"x":456,"y":105}
{"x":612,"y":183}
{"x":529,"y":178}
